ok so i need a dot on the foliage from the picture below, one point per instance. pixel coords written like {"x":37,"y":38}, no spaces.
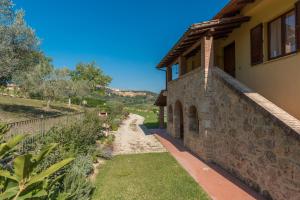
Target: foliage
{"x":31,"y":82}
{"x":151,"y":116}
{"x":141,"y":102}
{"x":91,"y":73}
{"x":55,"y":85}
{"x":75,"y":183}
{"x":60,"y":84}
{"x":77,"y":89}
{"x":115,"y":112}
{"x":78,"y":138}
{"x":23,"y":182}
{"x":7,"y":146}
{"x":92,"y":102}
{"x":19,"y":44}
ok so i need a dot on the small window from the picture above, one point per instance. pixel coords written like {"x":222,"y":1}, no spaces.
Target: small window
{"x":256,"y":38}
{"x":282,"y":35}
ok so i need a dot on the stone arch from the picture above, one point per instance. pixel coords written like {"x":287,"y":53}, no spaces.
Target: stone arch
{"x":193,"y":120}
{"x":179,"y":120}
{"x":170,"y":114}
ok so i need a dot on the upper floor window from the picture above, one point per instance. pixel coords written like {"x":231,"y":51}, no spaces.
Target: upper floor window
{"x":282,"y":35}
{"x":290,"y":32}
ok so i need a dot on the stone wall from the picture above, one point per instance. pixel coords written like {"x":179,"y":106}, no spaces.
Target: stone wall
{"x":240,"y":131}
{"x":187,"y":90}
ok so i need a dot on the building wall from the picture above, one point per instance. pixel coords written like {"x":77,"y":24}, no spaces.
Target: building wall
{"x":194,"y":61}
{"x":188,"y":91}
{"x":240,"y":131}
{"x":277,"y":80}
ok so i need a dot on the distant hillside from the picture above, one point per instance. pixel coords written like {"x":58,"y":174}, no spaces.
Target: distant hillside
{"x":129,"y":93}
{"x":131,"y":98}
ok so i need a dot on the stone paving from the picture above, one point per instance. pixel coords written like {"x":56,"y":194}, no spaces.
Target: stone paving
{"x":218,"y":184}
{"x":132,"y":138}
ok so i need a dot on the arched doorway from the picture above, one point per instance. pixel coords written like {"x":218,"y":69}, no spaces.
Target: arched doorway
{"x":179,"y":121}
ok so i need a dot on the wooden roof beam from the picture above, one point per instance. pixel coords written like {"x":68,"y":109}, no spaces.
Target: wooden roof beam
{"x":243,"y":2}
{"x":220,"y":37}
{"x":233,"y":6}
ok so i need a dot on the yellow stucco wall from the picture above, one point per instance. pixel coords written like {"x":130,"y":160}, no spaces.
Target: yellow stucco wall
{"x":196,"y":59}
{"x":277,"y":80}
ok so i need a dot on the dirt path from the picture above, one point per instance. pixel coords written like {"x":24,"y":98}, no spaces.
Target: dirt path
{"x":132,"y":139}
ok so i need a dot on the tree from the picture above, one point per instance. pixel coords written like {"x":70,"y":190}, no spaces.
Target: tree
{"x":54,"y":86}
{"x":78,"y":89}
{"x":31,"y":81}
{"x":91,"y":73}
{"x":18,"y":42}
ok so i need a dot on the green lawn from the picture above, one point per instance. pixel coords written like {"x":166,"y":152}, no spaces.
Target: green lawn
{"x":145,"y":177}
{"x":151,"y":118}
{"x":17,"y":109}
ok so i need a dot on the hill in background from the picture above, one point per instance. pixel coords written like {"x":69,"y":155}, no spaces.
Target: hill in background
{"x":131,"y":98}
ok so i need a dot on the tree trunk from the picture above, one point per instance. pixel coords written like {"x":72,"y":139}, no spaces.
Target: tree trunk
{"x":48,"y":104}
{"x":69,"y":102}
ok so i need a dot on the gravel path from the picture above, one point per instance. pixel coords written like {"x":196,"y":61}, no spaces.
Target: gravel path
{"x":132,"y":139}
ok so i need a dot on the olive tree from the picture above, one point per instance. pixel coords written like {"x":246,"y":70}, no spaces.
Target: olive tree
{"x":30,"y":82}
{"x":54,"y":85}
{"x":79,"y":89}
{"x":18,"y":42}
{"x":92,"y":74}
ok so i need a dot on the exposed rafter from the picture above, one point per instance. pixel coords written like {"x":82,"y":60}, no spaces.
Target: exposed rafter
{"x":218,"y":28}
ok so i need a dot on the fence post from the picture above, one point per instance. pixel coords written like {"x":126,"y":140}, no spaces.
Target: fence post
{"x":42,"y":125}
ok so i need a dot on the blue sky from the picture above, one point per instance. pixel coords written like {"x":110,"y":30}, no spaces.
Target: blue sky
{"x":127,"y":38}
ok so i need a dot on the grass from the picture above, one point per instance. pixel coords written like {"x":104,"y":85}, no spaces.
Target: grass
{"x":151,"y":118}
{"x":155,"y":176}
{"x":17,"y":109}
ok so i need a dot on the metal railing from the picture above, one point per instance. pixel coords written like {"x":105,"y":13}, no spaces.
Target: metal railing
{"x":41,"y":125}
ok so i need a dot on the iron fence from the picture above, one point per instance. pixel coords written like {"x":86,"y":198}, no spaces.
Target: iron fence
{"x":41,"y":125}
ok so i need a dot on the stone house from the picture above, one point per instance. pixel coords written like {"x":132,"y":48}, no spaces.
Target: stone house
{"x":236,"y":100}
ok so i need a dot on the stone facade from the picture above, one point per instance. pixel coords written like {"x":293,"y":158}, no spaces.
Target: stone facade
{"x":239,"y":130}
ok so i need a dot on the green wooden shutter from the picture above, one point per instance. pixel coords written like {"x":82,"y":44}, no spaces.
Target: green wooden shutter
{"x":256,"y":37}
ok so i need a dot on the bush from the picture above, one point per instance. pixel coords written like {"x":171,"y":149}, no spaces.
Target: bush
{"x":75,"y":183}
{"x":77,"y":139}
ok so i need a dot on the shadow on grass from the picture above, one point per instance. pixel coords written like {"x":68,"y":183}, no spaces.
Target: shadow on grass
{"x":151,"y":125}
{"x":63,"y":109}
{"x":29,"y":111}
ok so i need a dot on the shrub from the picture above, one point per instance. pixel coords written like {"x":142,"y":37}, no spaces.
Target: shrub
{"x":78,"y":138}
{"x":76,"y":185}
